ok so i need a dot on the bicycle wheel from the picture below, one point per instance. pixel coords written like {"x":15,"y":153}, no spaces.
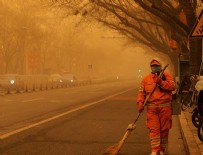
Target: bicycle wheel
{"x":196,"y":118}
{"x":185,"y":101}
{"x":200,"y":131}
{"x":193,"y":104}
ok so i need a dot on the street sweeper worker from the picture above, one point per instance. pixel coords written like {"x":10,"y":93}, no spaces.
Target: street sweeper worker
{"x":159,"y":109}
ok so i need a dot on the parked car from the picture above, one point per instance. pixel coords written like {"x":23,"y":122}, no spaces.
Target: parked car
{"x":8,"y":83}
{"x":56,"y":80}
{"x":69,"y":79}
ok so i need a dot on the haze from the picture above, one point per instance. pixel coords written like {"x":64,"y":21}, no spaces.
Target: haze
{"x":47,"y":42}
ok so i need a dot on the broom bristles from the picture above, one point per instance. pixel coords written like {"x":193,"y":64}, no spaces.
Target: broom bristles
{"x":112,"y":150}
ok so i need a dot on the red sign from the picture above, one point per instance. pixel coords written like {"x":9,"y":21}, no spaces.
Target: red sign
{"x":32,"y":60}
{"x":173,"y":44}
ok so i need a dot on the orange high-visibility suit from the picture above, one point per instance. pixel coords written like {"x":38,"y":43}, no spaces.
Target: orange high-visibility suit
{"x":159,"y":110}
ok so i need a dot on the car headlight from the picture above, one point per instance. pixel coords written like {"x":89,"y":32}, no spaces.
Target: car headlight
{"x":12,"y":81}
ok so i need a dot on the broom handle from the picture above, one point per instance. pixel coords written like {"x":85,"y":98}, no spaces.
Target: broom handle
{"x":160,"y":75}
{"x":121,"y":142}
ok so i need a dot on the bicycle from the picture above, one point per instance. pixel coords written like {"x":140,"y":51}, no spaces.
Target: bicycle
{"x":188,"y":101}
{"x":188,"y":98}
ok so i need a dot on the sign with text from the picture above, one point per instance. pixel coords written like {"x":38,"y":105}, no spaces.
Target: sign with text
{"x":197,"y":30}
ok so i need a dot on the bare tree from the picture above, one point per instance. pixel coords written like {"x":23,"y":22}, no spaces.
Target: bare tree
{"x":21,"y":34}
{"x":150,"y":22}
{"x":7,"y":37}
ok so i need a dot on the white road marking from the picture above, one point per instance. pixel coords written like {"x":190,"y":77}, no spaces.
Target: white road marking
{"x":8,"y":100}
{"x":36,"y":99}
{"x":6,"y":135}
{"x":54,"y":101}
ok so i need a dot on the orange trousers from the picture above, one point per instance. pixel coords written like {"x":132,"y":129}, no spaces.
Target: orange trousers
{"x":159,"y":121}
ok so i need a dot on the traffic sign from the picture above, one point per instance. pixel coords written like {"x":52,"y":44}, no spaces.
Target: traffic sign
{"x":197,"y":30}
{"x":90,"y":66}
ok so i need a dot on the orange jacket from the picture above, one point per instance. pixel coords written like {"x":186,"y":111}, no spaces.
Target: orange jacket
{"x":162,"y":93}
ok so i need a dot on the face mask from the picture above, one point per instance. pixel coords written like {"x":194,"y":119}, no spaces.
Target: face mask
{"x":156,"y":69}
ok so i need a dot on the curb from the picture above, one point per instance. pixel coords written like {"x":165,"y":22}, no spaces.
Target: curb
{"x":191,"y":145}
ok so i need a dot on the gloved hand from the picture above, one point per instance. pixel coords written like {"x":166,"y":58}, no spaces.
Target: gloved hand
{"x":131,"y":126}
{"x":158,"y":80}
{"x":140,"y":107}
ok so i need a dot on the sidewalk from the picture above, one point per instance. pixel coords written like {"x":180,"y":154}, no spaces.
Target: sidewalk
{"x":176,"y":144}
{"x":193,"y":145}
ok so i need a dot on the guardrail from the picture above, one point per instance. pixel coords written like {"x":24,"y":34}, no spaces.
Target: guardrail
{"x":11,"y":84}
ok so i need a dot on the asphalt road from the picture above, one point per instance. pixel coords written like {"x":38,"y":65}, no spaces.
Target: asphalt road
{"x":76,"y":121}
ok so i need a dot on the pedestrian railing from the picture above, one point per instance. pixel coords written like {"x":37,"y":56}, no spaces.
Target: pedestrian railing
{"x":11,"y":84}
{"x":14,"y":83}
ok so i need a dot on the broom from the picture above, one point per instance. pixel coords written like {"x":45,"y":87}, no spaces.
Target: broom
{"x":113,"y":150}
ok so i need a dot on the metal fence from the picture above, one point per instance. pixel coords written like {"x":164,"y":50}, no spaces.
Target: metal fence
{"x":11,"y":84}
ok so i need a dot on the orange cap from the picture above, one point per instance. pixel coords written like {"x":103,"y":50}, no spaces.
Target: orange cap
{"x":155,"y":62}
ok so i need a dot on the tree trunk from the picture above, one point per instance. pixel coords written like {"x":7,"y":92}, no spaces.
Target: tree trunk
{"x":195,"y":55}
{"x":174,"y":59}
